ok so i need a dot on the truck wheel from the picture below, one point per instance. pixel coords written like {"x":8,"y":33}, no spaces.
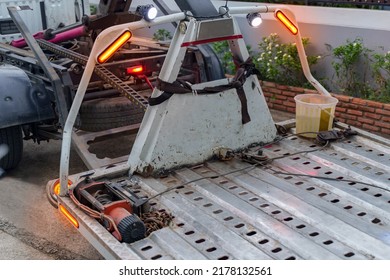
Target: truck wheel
{"x":11,"y":147}
{"x":106,"y":113}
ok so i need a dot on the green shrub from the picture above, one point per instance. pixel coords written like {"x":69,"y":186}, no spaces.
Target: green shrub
{"x":351,"y":67}
{"x":381,"y":68}
{"x":279,"y":62}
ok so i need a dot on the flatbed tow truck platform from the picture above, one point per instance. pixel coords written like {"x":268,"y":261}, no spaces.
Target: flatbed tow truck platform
{"x":311,"y":203}
{"x":212,"y":177}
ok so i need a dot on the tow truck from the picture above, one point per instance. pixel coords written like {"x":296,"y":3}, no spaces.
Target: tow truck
{"x":211,"y":176}
{"x":44,"y":70}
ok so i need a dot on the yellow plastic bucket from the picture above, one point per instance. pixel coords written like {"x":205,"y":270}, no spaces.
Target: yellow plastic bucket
{"x":314,"y":113}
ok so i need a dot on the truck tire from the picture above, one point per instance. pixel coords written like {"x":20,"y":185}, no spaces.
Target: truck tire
{"x":12,"y":137}
{"x":106,"y":113}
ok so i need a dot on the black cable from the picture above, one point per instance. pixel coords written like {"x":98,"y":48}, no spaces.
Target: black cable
{"x":247,"y":169}
{"x":199,"y":179}
{"x":328,"y":178}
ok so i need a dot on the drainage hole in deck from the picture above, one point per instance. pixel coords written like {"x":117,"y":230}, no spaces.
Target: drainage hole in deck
{"x":189,"y":232}
{"x":344,"y":158}
{"x":277,"y":150}
{"x":299,"y":183}
{"x":311,"y":189}
{"x":381,"y":155}
{"x":286,"y":154}
{"x":306,"y":162}
{"x":172,"y":181}
{"x":188,"y":193}
{"x":208,"y":205}
{"x":276,"y":250}
{"x":156,"y":257}
{"x":317,"y":167}
{"x":313,"y":146}
{"x":179,"y":187}
{"x":251,"y":233}
{"x":300,"y":226}
{"x":294,"y":138}
{"x":322,"y":194}
{"x":314,"y":234}
{"x":350,"y":254}
{"x":218,"y":212}
{"x":291,"y":258}
{"x":239,"y":225}
{"x":288,"y":219}
{"x":264,"y":241}
{"x":233,"y":187}
{"x":276,"y":212}
{"x":198,"y":198}
{"x":328,"y":172}
{"x":328,"y":242}
{"x":243,"y":193}
{"x":379,"y":173}
{"x":351,"y":183}
{"x":340,"y":178}
{"x":288,"y":177}
{"x":335,"y":201}
{"x":378,"y":195}
{"x":212,"y":249}
{"x":200,"y":241}
{"x":376,"y":221}
{"x":223,"y":258}
{"x":348,"y":207}
{"x":228,"y":218}
{"x":364,"y":189}
{"x":296,"y":158}
{"x":361,"y":214}
{"x":253,"y":199}
{"x":264,"y":205}
{"x":180,"y":225}
{"x":223,"y":182}
{"x":147,"y":248}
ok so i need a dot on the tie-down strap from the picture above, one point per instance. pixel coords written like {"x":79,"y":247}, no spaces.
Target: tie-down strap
{"x":182,"y":87}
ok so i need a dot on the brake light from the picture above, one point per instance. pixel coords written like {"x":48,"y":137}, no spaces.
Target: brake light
{"x":114,"y":46}
{"x":286,"y":22}
{"x":69,"y":216}
{"x":138,"y":69}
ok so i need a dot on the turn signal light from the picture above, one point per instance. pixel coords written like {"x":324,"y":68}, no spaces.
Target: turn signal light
{"x":56,"y":187}
{"x":286,"y":22}
{"x":114,"y":47}
{"x":69,"y":216}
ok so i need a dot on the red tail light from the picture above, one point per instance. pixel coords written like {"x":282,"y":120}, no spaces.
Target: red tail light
{"x":135,"y":70}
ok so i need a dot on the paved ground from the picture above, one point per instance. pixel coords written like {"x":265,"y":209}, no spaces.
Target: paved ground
{"x":30,"y":228}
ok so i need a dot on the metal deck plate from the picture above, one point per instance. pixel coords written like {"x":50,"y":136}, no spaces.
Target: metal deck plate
{"x":262,"y":214}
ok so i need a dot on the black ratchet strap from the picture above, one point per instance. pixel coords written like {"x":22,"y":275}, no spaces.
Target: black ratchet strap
{"x":181,"y":87}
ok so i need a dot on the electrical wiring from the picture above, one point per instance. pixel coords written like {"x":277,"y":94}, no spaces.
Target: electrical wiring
{"x":327,"y":178}
{"x":245,"y":169}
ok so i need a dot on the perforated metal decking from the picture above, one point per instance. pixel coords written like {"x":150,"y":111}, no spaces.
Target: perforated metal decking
{"x":262,"y":214}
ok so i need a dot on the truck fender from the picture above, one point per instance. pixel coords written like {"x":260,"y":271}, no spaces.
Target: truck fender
{"x":20,"y":101}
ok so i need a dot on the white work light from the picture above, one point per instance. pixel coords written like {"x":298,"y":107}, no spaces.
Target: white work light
{"x":148,"y":12}
{"x":254,"y":19}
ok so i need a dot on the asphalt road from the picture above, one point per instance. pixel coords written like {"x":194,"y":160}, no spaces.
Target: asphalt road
{"x":30,"y":228}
